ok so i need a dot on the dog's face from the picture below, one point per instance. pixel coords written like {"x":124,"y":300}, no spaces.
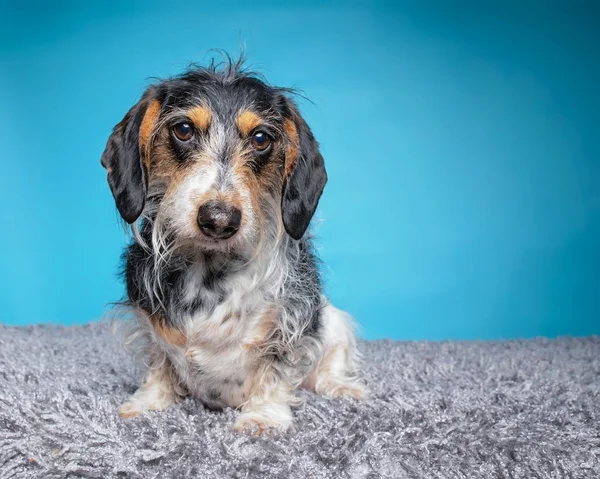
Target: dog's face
{"x":216,"y":159}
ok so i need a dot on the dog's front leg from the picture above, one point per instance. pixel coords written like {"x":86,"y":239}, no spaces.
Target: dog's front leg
{"x":158,"y":392}
{"x":268,"y":406}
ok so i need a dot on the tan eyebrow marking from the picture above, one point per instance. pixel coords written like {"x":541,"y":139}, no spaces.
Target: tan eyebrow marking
{"x":201,"y":117}
{"x":247,"y":121}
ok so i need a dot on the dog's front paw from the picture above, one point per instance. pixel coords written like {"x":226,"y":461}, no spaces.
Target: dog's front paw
{"x":130,"y":409}
{"x":258,"y":422}
{"x":333,"y":388}
{"x":148,"y":398}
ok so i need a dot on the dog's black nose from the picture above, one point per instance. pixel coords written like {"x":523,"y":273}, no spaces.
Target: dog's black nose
{"x":219,"y":220}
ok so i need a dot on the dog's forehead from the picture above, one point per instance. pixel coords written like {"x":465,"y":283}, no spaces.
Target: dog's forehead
{"x":225,"y":99}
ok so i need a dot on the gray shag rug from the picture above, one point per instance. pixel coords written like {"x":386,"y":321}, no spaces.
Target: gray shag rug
{"x":523,"y":409}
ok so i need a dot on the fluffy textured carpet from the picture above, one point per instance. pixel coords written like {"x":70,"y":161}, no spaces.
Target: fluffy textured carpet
{"x":526,"y":409}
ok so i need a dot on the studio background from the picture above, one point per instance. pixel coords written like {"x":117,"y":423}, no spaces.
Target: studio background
{"x":461,"y":140}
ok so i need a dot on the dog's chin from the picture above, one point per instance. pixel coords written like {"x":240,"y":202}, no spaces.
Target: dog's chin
{"x":229,"y":245}
{"x":242,"y":244}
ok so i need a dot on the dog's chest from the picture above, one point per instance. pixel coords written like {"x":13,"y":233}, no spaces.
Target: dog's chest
{"x":219,"y":359}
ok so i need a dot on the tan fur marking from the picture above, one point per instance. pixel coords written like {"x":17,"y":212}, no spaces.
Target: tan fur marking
{"x":169,"y":334}
{"x":201,"y":117}
{"x":291,"y":156}
{"x":147,"y":127}
{"x":247,"y":121}
{"x":262,"y":189}
{"x":149,"y":122}
{"x":264,"y":330}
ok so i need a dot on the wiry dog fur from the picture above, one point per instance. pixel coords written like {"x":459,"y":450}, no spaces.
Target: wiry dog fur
{"x":239,"y":320}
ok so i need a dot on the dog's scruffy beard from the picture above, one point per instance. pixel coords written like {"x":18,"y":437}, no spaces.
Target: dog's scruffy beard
{"x":261,"y":246}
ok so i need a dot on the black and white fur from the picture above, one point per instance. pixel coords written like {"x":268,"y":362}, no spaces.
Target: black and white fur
{"x":241,"y":321}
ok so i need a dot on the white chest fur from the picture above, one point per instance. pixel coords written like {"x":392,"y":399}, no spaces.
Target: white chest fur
{"x":219,"y":359}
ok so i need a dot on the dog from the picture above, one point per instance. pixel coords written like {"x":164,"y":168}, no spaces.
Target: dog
{"x":218,"y":175}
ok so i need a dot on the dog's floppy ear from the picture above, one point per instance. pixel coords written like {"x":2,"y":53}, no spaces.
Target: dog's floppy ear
{"x":126,"y":156}
{"x":304,"y":174}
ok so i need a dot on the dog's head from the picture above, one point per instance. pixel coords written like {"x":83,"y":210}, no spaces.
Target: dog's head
{"x":216,"y":157}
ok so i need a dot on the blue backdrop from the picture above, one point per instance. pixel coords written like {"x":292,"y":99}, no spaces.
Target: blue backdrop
{"x":462,"y":143}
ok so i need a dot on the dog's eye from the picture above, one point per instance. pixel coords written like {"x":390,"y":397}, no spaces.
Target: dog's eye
{"x":183,"y":131}
{"x":261,"y":141}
